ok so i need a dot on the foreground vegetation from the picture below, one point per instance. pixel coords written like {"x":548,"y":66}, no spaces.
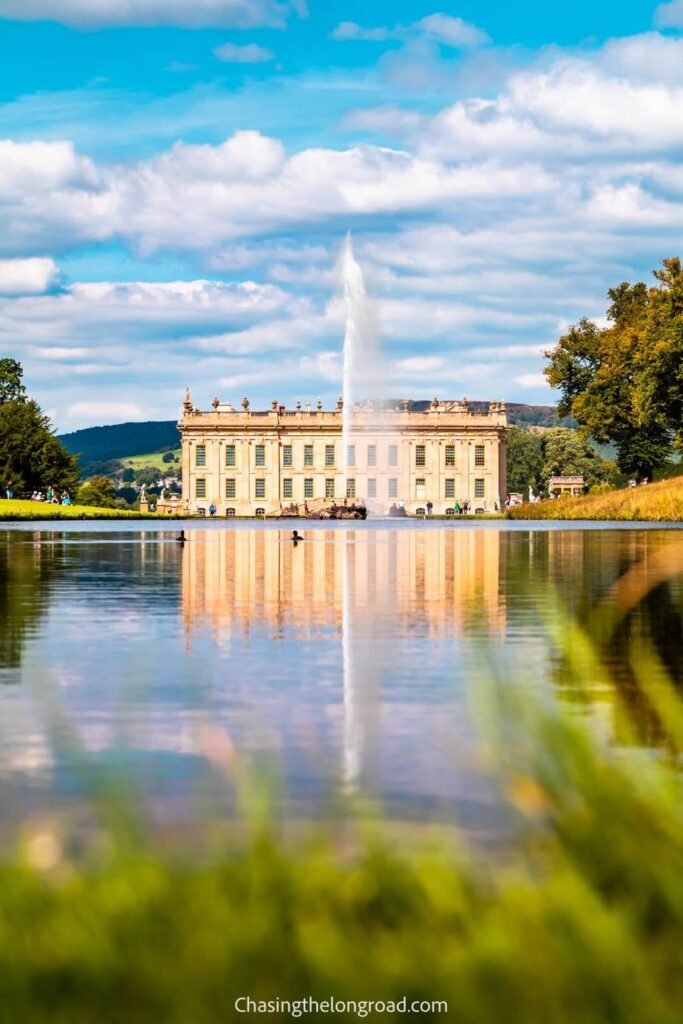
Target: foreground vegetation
{"x":578,"y":919}
{"x":660,"y":502}
{"x":41,"y":510}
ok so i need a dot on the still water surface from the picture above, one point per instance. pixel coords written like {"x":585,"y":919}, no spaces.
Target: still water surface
{"x":348,"y":662}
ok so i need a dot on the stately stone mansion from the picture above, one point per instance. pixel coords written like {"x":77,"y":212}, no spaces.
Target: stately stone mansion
{"x":247,"y":463}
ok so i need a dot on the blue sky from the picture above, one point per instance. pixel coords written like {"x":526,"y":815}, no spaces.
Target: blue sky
{"x":176,"y":181}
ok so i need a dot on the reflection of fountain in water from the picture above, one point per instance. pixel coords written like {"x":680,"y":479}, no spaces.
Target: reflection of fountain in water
{"x":353,"y":727}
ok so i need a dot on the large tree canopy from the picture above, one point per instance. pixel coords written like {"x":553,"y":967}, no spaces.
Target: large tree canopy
{"x":624,"y":383}
{"x":31,"y":457}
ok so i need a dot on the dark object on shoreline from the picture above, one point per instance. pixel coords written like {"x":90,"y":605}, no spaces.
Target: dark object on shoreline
{"x":344,"y":511}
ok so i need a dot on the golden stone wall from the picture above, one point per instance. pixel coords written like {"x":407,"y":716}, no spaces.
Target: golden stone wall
{"x":249,"y":463}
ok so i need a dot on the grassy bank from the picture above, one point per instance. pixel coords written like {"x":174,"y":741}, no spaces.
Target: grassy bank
{"x":154,"y":459}
{"x":39,"y":511}
{"x":657,"y":502}
{"x":578,"y":920}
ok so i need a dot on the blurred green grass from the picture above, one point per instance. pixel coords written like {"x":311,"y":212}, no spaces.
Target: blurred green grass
{"x":576,"y":919}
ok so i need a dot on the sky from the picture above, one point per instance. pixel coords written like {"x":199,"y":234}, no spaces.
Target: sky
{"x":177,"y":180}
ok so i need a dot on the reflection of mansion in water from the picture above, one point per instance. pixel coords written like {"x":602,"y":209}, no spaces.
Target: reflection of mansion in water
{"x":433,"y":581}
{"x":250,"y":463}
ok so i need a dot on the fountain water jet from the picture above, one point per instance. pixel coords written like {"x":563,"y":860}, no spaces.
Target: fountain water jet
{"x":360,"y":350}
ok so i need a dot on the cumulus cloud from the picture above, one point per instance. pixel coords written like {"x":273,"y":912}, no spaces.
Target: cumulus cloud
{"x":105,"y":342}
{"x":351,"y":30}
{"x":198,"y":14}
{"x":28,"y":277}
{"x":450,"y":31}
{"x":251,"y":53}
{"x":200,"y":196}
{"x":440,"y":28}
{"x":670,"y":15}
{"x":83,"y":413}
{"x":484,"y":229}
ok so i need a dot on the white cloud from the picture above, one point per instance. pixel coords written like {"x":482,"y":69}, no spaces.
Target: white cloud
{"x":451,"y":31}
{"x":80,"y":413}
{"x":251,"y":53}
{"x":440,"y":28}
{"x":532,"y":380}
{"x":670,"y":15}
{"x":350,"y":30}
{"x":28,"y":277}
{"x":198,"y":197}
{"x":646,"y":57}
{"x":90,"y":14}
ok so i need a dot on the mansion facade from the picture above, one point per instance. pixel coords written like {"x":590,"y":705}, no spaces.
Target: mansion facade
{"x":250,"y":463}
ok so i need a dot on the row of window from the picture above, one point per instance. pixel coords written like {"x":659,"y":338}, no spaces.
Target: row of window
{"x":288,"y":456}
{"x":287,"y":488}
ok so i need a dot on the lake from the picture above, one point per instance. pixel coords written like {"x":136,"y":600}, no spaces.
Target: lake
{"x":347,"y":664}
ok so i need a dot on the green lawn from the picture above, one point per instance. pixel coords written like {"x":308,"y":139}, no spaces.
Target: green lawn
{"x":39,"y":510}
{"x":155,"y":459}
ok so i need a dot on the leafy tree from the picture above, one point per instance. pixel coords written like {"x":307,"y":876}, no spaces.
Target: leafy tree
{"x":524,"y":461}
{"x":128,"y":475}
{"x":31,"y":457}
{"x":567,"y":453}
{"x":624,"y":383}
{"x":99,"y":492}
{"x":127,"y":494}
{"x":147,"y":475}
{"x":168,"y":457}
{"x":11,"y":386}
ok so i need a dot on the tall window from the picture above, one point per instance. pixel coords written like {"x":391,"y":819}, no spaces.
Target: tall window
{"x":479,"y":455}
{"x":351,"y":455}
{"x":201,"y":454}
{"x":420,"y":490}
{"x":450,"y":488}
{"x":420,"y":455}
{"x":372,"y":488}
{"x":230,"y":455}
{"x":286,"y":488}
{"x":308,"y":487}
{"x":260,"y":455}
{"x":329,"y":455}
{"x":260,"y":491}
{"x":308,"y":455}
{"x":230,"y":488}
{"x":450,"y":454}
{"x":478,"y":488}
{"x":329,"y":487}
{"x":372,"y":455}
{"x":200,"y":490}
{"x":393,"y":455}
{"x":287,"y":455}
{"x":350,"y":488}
{"x":393,"y":487}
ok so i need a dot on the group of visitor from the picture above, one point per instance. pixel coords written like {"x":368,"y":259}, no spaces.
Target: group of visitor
{"x":462,"y":508}
{"x":51,"y":497}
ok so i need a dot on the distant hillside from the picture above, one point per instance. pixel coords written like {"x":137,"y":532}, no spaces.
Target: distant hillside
{"x":124,"y":440}
{"x":102,"y":444}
